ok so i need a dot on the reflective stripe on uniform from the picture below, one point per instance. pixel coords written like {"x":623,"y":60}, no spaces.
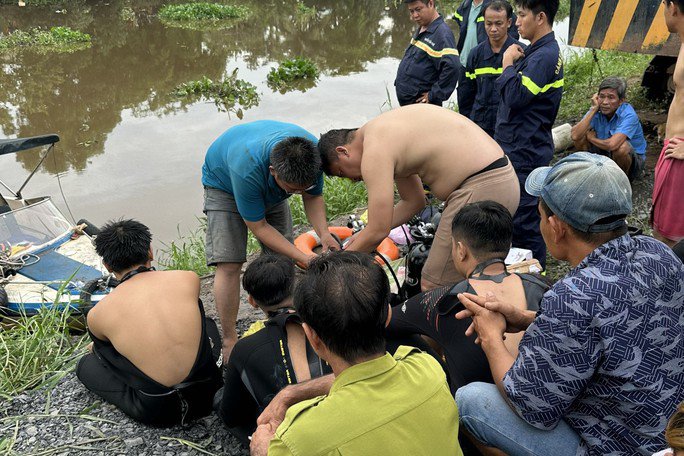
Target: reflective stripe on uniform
{"x":458,"y":17}
{"x":483,"y":70}
{"x":431,"y":52}
{"x":535,"y":89}
{"x":480,"y":19}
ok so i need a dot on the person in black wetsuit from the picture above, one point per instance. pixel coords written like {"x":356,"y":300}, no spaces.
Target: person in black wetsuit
{"x":272,"y":354}
{"x":154,"y":353}
{"x":482,"y":234}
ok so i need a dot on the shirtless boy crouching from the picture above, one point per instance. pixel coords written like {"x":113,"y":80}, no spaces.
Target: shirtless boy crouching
{"x":445,"y":150}
{"x":152,"y":353}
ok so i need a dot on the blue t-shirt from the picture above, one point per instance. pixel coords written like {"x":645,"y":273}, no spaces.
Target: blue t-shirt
{"x":606,"y":351}
{"x":238,"y":163}
{"x":625,"y":121}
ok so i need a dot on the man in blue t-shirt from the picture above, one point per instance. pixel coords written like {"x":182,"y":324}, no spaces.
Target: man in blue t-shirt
{"x":612,"y":128}
{"x":249,"y":172}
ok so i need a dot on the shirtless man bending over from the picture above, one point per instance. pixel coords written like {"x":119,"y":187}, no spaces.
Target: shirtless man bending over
{"x":668,"y":205}
{"x":456,"y":158}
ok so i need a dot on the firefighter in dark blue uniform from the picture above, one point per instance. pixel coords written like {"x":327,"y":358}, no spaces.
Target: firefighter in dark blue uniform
{"x":461,"y":17}
{"x":430,"y":69}
{"x":478,"y":98}
{"x":531,"y":87}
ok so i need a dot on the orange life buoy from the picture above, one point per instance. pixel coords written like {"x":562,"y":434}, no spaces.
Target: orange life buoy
{"x":308,"y":241}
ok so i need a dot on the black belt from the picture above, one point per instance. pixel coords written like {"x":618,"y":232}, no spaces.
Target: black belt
{"x":496,"y":164}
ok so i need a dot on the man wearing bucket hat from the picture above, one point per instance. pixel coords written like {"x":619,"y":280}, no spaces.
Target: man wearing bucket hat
{"x":600,"y":365}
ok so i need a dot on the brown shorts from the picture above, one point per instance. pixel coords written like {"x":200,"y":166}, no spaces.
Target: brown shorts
{"x":500,"y":185}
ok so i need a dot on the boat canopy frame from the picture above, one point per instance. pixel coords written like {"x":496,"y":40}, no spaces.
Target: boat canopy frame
{"x":10,"y":146}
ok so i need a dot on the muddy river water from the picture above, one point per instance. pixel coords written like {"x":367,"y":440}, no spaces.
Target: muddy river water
{"x":128,"y":147}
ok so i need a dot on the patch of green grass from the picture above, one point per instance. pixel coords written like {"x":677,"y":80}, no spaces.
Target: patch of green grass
{"x":56,"y":39}
{"x":291,"y":71}
{"x":37,"y":350}
{"x":188,"y":252}
{"x":563,"y":10}
{"x":202,"y":15}
{"x":583,"y":73}
{"x":228,"y":95}
{"x":342,"y":197}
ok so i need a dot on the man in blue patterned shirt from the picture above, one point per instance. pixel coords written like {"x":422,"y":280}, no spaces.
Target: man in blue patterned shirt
{"x":601,"y":365}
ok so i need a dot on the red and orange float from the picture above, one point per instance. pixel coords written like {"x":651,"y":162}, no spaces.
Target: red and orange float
{"x":308,"y":241}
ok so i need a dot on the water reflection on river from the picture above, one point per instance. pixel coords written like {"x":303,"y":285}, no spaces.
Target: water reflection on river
{"x":131,"y":149}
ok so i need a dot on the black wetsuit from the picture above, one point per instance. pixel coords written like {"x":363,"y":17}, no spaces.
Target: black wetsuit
{"x":113,"y":377}
{"x":259,"y":367}
{"x":432,"y":314}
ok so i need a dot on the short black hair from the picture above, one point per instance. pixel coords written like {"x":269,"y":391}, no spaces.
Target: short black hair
{"x":344,"y":297}
{"x":679,"y":3}
{"x":331,"y":140}
{"x":269,"y":279}
{"x":597,"y":239}
{"x":296,"y":161}
{"x":548,"y":7}
{"x":499,"y":5}
{"x":486,"y":227}
{"x":616,"y":83}
{"x":425,"y":2}
{"x":123,"y":244}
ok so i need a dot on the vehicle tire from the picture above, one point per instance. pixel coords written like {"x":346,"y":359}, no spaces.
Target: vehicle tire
{"x":91,"y":229}
{"x":103,"y":284}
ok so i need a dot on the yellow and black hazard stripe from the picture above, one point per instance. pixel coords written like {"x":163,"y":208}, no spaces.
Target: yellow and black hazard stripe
{"x":432,"y":52}
{"x":626,"y":25}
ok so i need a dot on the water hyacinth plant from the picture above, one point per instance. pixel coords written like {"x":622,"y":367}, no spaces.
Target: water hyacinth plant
{"x":202,"y":15}
{"x":56,"y":39}
{"x":231,"y":94}
{"x":297,"y":73}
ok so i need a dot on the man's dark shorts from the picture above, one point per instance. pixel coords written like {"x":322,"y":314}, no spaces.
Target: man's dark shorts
{"x":636,"y":169}
{"x":226,"y":240}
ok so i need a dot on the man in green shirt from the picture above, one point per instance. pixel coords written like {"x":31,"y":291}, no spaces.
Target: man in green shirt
{"x":377,"y":403}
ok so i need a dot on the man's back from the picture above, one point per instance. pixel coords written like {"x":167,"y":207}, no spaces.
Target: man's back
{"x":153,"y":319}
{"x":606,"y":352}
{"x":399,"y":405}
{"x":433,"y":142}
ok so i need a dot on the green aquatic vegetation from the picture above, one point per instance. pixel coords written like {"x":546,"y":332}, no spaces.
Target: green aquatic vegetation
{"x":37,"y":350}
{"x":583,"y":72}
{"x":304,"y":12}
{"x":297,"y":73}
{"x":56,"y":39}
{"x":127,"y":14}
{"x":231,"y":94}
{"x":202,"y":15}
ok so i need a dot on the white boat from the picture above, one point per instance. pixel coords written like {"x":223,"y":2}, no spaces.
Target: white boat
{"x":45,"y":260}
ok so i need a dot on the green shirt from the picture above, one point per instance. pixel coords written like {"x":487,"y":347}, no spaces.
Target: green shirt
{"x":471,"y":33}
{"x":397,"y":405}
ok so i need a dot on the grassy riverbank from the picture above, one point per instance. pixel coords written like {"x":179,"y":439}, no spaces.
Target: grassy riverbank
{"x":583,"y":72}
{"x":37,"y":351}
